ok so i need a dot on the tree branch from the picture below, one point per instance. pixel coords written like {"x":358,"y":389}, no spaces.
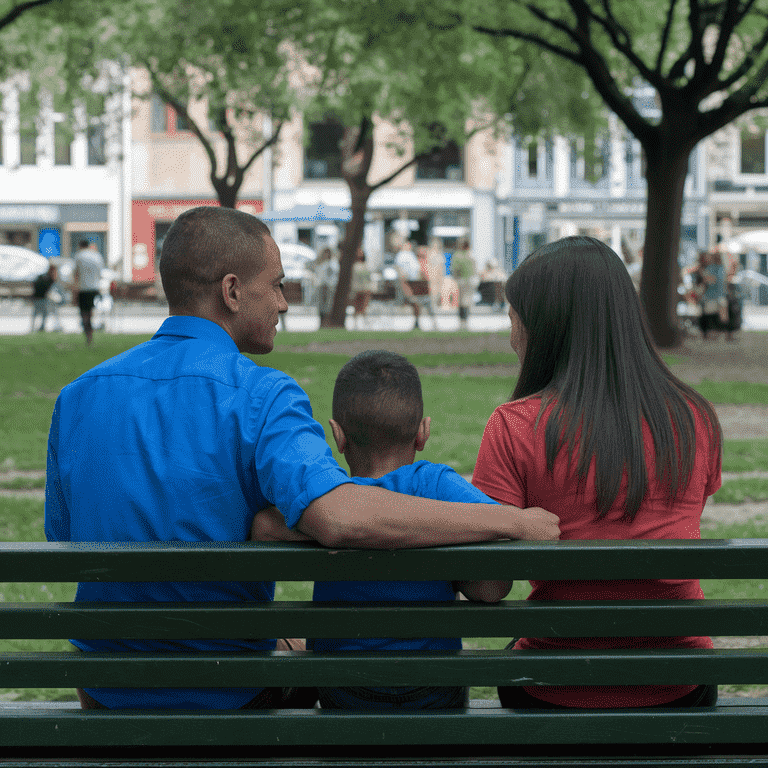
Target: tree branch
{"x":593,"y":63}
{"x":181,"y":108}
{"x":746,"y":65}
{"x":619,"y":36}
{"x":414,"y":159}
{"x":726,"y":25}
{"x":17,"y":10}
{"x":696,"y":32}
{"x":665,"y":35}
{"x":573,"y":56}
{"x":271,"y":141}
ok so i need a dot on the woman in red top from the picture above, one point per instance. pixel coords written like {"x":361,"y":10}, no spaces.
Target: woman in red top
{"x":600,"y":432}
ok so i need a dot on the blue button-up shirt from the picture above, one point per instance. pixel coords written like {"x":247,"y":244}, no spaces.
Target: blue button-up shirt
{"x":181,"y":438}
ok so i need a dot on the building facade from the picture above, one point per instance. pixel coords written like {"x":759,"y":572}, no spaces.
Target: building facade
{"x":59,"y":182}
{"x":121,"y":177}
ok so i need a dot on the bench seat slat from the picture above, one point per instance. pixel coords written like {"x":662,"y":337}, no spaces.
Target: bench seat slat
{"x":657,"y":618}
{"x":745,"y":724}
{"x":469,"y":667}
{"x":252,"y":561}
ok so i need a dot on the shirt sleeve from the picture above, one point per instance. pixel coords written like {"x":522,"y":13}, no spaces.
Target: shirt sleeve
{"x":453,"y":487}
{"x":57,"y":522}
{"x":497,"y":472}
{"x":293,"y":462}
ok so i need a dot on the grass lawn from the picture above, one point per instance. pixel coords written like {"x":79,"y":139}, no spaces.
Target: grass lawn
{"x":35,"y":369}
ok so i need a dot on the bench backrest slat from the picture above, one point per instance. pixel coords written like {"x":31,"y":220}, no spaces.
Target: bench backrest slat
{"x":478,"y":668}
{"x":303,"y":619}
{"x":175,"y":561}
{"x":732,"y":725}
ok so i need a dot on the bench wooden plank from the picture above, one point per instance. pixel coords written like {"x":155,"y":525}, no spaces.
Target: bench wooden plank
{"x":469,"y":667}
{"x":200,"y":561}
{"x":658,"y":618}
{"x":734,"y":724}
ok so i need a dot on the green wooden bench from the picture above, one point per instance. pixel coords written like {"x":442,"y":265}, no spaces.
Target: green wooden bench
{"x":731,"y":734}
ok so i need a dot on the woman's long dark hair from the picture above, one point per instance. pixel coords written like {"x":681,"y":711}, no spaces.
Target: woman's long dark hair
{"x":589,"y":353}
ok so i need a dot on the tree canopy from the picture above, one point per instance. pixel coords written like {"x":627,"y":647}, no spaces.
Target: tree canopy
{"x":432,"y":82}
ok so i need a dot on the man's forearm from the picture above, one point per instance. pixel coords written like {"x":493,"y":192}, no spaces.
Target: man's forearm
{"x":373,"y":518}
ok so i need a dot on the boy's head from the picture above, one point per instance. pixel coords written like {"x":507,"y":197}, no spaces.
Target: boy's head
{"x":377,"y":403}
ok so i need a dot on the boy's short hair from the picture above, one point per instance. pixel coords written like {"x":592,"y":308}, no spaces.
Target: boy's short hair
{"x":377,"y":400}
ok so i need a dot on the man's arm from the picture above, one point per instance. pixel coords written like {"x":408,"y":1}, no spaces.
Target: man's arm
{"x":373,"y":518}
{"x":269,"y":525}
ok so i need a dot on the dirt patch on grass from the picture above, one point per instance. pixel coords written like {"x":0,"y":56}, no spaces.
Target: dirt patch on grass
{"x":743,"y":359}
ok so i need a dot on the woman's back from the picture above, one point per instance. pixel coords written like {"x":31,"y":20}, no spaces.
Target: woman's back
{"x":600,"y":433}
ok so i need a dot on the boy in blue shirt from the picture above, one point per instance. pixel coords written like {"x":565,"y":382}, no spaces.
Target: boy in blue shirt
{"x":378,"y":425}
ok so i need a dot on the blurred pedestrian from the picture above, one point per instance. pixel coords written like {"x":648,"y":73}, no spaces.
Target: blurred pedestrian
{"x":710,"y":279}
{"x":362,"y":288}
{"x":89,"y":264}
{"x":327,"y":271}
{"x":491,"y":287}
{"x":463,"y":270}
{"x":435,"y":271}
{"x":407,"y":263}
{"x":41,"y":286}
{"x":733,"y":295}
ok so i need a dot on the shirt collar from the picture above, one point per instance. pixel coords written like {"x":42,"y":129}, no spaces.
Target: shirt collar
{"x":195,"y":328}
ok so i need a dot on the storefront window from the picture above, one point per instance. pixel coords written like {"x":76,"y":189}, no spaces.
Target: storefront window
{"x":533,"y":159}
{"x":63,"y":135}
{"x":28,"y":145}
{"x":753,"y":151}
{"x":158,"y":119}
{"x":322,"y":158}
{"x":446,"y":162}
{"x":28,"y":111}
{"x":589,"y":157}
{"x":62,"y":144}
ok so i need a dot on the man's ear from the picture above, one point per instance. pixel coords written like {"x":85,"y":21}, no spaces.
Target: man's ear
{"x":338,"y":435}
{"x":230,"y":292}
{"x":423,"y":434}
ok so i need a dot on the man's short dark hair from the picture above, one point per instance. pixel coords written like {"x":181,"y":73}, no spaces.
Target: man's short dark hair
{"x":203,"y":245}
{"x":84,"y":244}
{"x":377,"y":400}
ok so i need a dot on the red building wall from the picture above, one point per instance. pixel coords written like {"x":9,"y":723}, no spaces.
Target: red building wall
{"x":146,"y":214}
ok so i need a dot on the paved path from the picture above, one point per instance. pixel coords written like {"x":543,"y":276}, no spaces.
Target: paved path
{"x":146,"y":319}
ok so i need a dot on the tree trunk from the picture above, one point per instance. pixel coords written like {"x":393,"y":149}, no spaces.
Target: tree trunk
{"x":226,"y":193}
{"x":348,"y":249}
{"x":667,"y":167}
{"x":357,"y":154}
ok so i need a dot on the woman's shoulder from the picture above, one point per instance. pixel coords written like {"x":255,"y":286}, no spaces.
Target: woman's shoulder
{"x":525,"y":409}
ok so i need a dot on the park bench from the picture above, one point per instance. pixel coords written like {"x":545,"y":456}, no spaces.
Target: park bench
{"x":733,"y":733}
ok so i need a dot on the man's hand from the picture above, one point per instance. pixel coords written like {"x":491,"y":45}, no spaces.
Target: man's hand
{"x":536,"y":524}
{"x":269,"y":525}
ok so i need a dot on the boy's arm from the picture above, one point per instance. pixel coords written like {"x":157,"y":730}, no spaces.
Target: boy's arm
{"x":483,"y":591}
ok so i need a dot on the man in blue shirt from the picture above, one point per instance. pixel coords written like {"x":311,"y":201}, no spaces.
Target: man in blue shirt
{"x":183,"y":438}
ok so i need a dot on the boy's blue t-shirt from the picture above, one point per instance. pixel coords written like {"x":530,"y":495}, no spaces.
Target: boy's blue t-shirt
{"x":429,"y":481}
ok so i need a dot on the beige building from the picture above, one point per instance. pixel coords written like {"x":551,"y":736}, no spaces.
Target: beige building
{"x":449,"y":197}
